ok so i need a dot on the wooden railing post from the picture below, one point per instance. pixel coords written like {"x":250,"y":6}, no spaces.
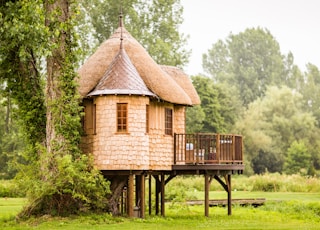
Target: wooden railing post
{"x":233,"y":148}
{"x":218,"y":147}
{"x":175,"y":149}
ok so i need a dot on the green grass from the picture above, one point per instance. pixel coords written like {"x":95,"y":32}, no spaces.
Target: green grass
{"x":294,"y":211}
{"x":9,"y":207}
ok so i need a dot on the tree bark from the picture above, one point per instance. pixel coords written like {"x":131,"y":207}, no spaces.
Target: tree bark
{"x":116,"y":187}
{"x":59,"y":8}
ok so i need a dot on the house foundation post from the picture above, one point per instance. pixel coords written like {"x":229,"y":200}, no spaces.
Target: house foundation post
{"x":162,"y":195}
{"x":206,"y":195}
{"x":150,"y":194}
{"x":157,"y":188}
{"x":228,"y":181}
{"x":137,"y":191}
{"x":130,"y":195}
{"x":142,"y":196}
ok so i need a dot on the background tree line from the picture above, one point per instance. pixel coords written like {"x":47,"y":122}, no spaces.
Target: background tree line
{"x":250,"y":87}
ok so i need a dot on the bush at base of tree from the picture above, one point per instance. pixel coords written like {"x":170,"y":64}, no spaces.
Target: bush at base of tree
{"x":75,"y":187}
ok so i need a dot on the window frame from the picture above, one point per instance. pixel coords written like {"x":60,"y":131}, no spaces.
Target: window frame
{"x":122,"y":118}
{"x":168,"y":121}
{"x":88,"y":120}
{"x":147,"y":118}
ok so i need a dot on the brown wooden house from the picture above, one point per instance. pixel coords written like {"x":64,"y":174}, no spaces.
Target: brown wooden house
{"x":134,"y":124}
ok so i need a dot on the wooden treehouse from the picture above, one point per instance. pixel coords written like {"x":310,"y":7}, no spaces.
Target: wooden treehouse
{"x":134,"y":126}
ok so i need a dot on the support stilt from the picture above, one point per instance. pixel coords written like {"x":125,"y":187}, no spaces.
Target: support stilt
{"x":138,"y":191}
{"x":162,"y":195}
{"x":150,"y":194}
{"x":228,"y":181}
{"x":206,"y":195}
{"x":130,"y":195}
{"x":142,"y":196}
{"x":157,"y":182}
{"x":227,"y":188}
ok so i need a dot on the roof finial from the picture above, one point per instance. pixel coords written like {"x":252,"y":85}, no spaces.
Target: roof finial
{"x":120,"y":18}
{"x":121,"y":25}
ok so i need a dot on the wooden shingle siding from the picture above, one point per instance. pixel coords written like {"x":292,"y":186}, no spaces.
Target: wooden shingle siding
{"x":135,"y":149}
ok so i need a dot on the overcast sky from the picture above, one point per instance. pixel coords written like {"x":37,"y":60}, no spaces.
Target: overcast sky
{"x":295,"y":24}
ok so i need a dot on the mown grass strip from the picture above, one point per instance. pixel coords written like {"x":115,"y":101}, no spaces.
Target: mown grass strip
{"x":302,"y":214}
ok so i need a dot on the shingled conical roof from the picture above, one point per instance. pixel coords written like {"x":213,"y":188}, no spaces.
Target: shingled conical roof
{"x":121,"y":78}
{"x":156,"y":79}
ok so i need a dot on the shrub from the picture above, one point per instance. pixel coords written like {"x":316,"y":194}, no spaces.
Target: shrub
{"x":10,"y":189}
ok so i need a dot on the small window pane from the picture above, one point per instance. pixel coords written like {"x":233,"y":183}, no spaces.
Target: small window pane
{"x":122,"y":117}
{"x":168,"y":121}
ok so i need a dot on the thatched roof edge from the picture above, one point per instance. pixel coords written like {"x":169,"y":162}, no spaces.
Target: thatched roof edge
{"x":157,"y":79}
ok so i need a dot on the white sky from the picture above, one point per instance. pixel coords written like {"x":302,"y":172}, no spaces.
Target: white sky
{"x":295,"y":24}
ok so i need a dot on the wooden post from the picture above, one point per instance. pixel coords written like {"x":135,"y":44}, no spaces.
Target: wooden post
{"x":150,"y":194}
{"x":121,"y":203}
{"x":142,"y":196}
{"x":130,"y":195}
{"x":206,"y":195}
{"x":218,"y":147}
{"x":157,"y":194}
{"x":233,"y":148}
{"x":175,"y":148}
{"x":162,"y":195}
{"x":138,"y":191}
{"x":228,"y":181}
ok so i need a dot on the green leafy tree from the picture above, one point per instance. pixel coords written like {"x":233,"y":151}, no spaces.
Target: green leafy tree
{"x":216,"y":62}
{"x":298,"y":159}
{"x":273,"y":122}
{"x":11,"y":141}
{"x":311,"y":91}
{"x":194,"y":119}
{"x":248,"y":61}
{"x":217,"y":105}
{"x":266,"y":162}
{"x":59,"y":179}
{"x":21,"y":46}
{"x":213,"y":121}
{"x":293,"y":77}
{"x":155,"y":24}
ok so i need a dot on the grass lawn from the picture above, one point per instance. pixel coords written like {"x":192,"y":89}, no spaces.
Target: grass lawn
{"x":295,"y":211}
{"x":9,"y":207}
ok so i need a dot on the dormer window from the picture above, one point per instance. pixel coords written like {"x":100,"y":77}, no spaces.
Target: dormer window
{"x":168,"y":121}
{"x":122,"y":117}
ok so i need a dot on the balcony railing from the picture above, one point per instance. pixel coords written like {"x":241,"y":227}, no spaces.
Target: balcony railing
{"x":202,"y":148}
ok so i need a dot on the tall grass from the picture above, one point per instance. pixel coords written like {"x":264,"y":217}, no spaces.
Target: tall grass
{"x":284,"y":183}
{"x":270,"y":182}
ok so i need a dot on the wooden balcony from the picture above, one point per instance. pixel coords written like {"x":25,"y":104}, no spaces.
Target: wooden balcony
{"x":208,"y":151}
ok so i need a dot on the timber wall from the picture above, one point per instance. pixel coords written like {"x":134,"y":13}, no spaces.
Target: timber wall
{"x":136,"y":149}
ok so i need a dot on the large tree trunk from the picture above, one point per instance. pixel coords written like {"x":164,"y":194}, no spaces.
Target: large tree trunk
{"x":116,"y":187}
{"x":60,"y":9}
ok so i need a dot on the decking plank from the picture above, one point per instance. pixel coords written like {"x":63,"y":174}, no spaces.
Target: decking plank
{"x":223,"y":202}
